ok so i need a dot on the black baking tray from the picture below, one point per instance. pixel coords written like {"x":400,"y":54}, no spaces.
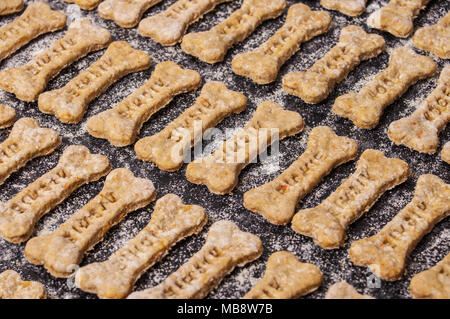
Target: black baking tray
{"x":334,"y":264}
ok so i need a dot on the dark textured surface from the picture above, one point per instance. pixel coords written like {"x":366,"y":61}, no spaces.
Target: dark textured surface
{"x":334,"y":264}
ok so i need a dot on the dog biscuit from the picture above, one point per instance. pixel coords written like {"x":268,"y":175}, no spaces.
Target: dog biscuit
{"x":37,"y":19}
{"x":10,"y":6}
{"x":327,"y":223}
{"x":168,"y":27}
{"x":435,"y":38}
{"x":365,"y":107}
{"x":60,"y":250}
{"x":351,"y":8}
{"x":342,"y":290}
{"x":85,"y":4}
{"x":77,"y":166}
{"x":70,"y":102}
{"x":220,"y":170}
{"x":226,"y":247}
{"x":385,"y":253}
{"x":211,"y":46}
{"x":7,"y":116}
{"x":13,"y":287}
{"x":397,"y":17}
{"x":171,"y":222}
{"x":26,"y":141}
{"x":122,"y":124}
{"x":167,"y":148}
{"x":29,"y":80}
{"x":276,"y":200}
{"x":262,"y":64}
{"x":353,"y":47}
{"x":433,"y":283}
{"x":125,"y":13}
{"x":286,"y":278}
{"x":445,"y":154}
{"x":420,"y":130}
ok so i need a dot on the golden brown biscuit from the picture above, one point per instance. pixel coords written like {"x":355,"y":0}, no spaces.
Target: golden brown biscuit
{"x":125,"y":13}
{"x":385,"y":253}
{"x":10,"y":6}
{"x":445,"y":154}
{"x":13,"y":287}
{"x":85,"y":4}
{"x":220,"y":170}
{"x":435,"y":38}
{"x":7,"y":116}
{"x":365,"y":108}
{"x":70,"y":102}
{"x":76,"y":166}
{"x":171,"y":222}
{"x":433,"y":283}
{"x":226,"y":247}
{"x":262,"y":64}
{"x":342,"y":290}
{"x":351,"y":8}
{"x":286,"y":278}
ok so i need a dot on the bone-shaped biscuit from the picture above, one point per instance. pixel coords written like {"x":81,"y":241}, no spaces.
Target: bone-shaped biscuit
{"x":171,"y":222}
{"x":10,"y":6}
{"x":286,"y":278}
{"x":226,"y":247}
{"x":327,"y":223}
{"x":167,"y":148}
{"x":36,"y":20}
{"x":262,"y":64}
{"x":13,"y":287}
{"x":211,"y":46}
{"x":277,"y":199}
{"x":435,"y":38}
{"x":169,"y":26}
{"x":420,"y":130}
{"x":445,"y":154}
{"x":433,"y":283}
{"x":125,"y":13}
{"x":343,"y":290}
{"x":26,"y":141}
{"x":77,"y":166}
{"x":351,"y":8}
{"x":30,"y":79}
{"x":122,"y":124}
{"x":70,"y":102}
{"x":397,"y":17}
{"x":353,"y":47}
{"x":85,"y":4}
{"x":385,"y":253}
{"x":7,"y":116}
{"x":365,"y":107}
{"x":220,"y":170}
{"x":61,"y":249}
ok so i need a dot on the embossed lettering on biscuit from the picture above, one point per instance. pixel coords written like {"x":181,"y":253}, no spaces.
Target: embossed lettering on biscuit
{"x":13,"y":287}
{"x":351,"y":8}
{"x":262,"y":64}
{"x":220,"y":170}
{"x":315,"y":84}
{"x":397,"y":17}
{"x":212,"y":46}
{"x":7,"y":116}
{"x":286,"y":278}
{"x":36,"y":20}
{"x":169,"y":26}
{"x":171,"y":222}
{"x":365,"y":107}
{"x":276,"y":200}
{"x":26,"y":141}
{"x":168,"y":147}
{"x":10,"y":6}
{"x":77,"y":166}
{"x":70,"y":102}
{"x":435,"y":38}
{"x":121,"y":124}
{"x":342,"y":290}
{"x":327,"y":223}
{"x":385,"y":253}
{"x":226,"y":247}
{"x":60,"y":250}
{"x":432,"y":283}
{"x":125,"y":13}
{"x":30,"y":79}
{"x":420,"y":130}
